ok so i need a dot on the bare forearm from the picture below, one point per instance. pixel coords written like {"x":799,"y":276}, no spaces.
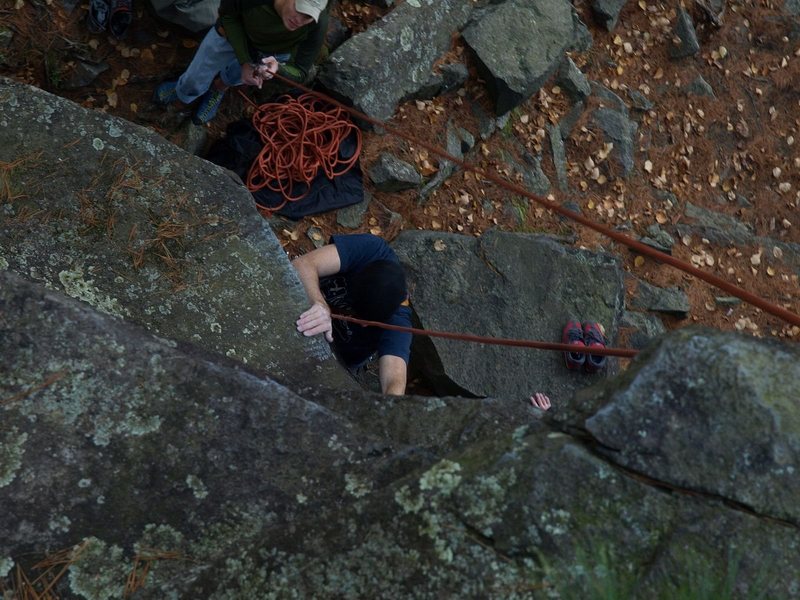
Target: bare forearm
{"x":310,"y":267}
{"x":309,"y":277}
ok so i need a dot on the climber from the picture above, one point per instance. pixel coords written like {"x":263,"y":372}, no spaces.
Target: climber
{"x":358,"y":275}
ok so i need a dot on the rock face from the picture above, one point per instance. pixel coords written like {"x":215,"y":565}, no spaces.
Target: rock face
{"x":743,"y":444}
{"x":518,"y":45}
{"x":115,"y":442}
{"x":574,"y":81}
{"x":504,"y":285}
{"x":619,"y":130}
{"x":392,"y":60}
{"x":133,"y":434}
{"x":113,"y":215}
{"x":390,"y":174}
{"x":607,"y":12}
{"x":671,"y":301}
{"x":120,"y":434}
{"x":684,"y":31}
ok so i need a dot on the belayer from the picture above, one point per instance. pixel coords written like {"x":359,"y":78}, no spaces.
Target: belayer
{"x":251,"y":40}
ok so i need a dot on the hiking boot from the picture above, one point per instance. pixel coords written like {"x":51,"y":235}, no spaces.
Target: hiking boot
{"x":166,"y":93}
{"x":573,"y":334}
{"x":208,"y":107}
{"x":593,"y":338}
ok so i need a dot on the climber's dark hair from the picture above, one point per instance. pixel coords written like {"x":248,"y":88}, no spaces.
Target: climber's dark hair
{"x":377,"y":290}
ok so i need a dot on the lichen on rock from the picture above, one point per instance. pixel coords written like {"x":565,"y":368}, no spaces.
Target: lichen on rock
{"x":12,"y":447}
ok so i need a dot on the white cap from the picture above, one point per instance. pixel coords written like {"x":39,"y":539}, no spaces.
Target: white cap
{"x":312,"y":8}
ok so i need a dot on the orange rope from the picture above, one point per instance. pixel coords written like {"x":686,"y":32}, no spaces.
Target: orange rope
{"x":300,"y":136}
{"x":469,"y":337}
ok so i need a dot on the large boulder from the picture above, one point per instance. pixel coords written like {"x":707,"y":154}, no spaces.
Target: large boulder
{"x":112,"y":214}
{"x":531,"y":510}
{"x":505,"y":285}
{"x":112,"y":433}
{"x":519,"y":44}
{"x":392,"y":60}
{"x":682,"y":422}
{"x":173,"y":473}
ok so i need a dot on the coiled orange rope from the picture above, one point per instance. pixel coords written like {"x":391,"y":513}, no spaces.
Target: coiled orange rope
{"x":301,"y":136}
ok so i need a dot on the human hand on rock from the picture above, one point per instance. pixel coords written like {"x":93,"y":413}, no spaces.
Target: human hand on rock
{"x":316,"y":320}
{"x":540,"y":400}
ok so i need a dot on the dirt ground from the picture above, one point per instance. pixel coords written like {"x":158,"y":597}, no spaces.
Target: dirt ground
{"x":704,"y":150}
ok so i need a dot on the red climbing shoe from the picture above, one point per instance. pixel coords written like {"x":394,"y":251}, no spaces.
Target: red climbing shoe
{"x":593,"y":337}
{"x":573,"y":334}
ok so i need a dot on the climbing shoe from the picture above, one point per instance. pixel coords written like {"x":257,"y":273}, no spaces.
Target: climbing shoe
{"x":166,"y":93}
{"x":593,"y":338}
{"x":208,"y":107}
{"x":573,"y":334}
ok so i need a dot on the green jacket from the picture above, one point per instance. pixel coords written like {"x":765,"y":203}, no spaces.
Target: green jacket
{"x":252,"y":26}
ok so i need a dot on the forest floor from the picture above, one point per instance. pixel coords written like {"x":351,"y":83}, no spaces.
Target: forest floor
{"x":734,"y":154}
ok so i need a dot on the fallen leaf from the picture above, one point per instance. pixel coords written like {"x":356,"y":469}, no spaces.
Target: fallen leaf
{"x":426,"y":169}
{"x":770,"y":271}
{"x":638,"y":261}
{"x":112,"y":98}
{"x":661,"y":217}
{"x":375,"y":231}
{"x":777,"y":252}
{"x":648,"y":166}
{"x":187,"y":43}
{"x":439,"y":245}
{"x":436,"y":224}
{"x":755,"y":260}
